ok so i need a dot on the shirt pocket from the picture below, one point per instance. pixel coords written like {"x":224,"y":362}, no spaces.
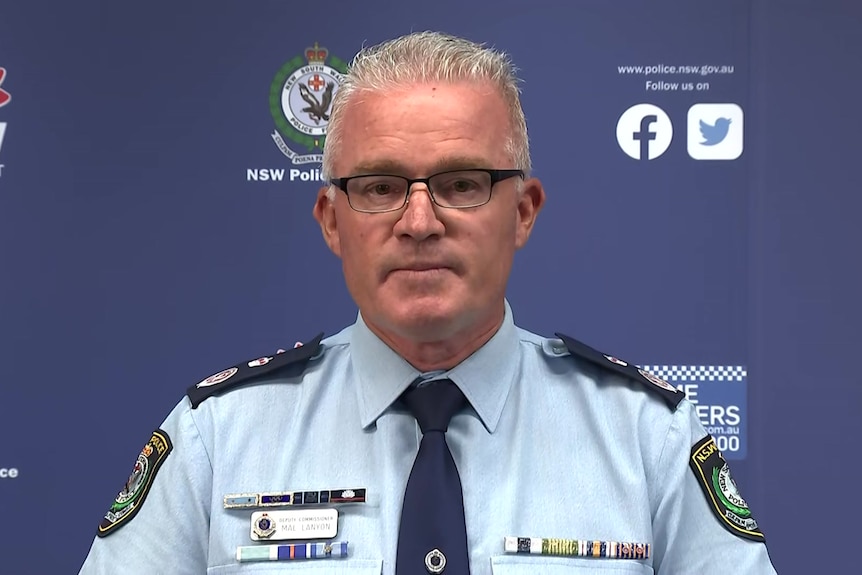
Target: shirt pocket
{"x":312,"y":567}
{"x":531,"y":565}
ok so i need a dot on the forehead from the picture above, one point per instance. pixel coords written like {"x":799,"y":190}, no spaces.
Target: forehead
{"x":421,"y":128}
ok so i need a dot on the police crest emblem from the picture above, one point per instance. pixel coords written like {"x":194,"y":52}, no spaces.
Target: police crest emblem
{"x":128,"y":501}
{"x":722,"y":494}
{"x":300,"y":100}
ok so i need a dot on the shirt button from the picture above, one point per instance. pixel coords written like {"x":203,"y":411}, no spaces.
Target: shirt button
{"x":435,"y":561}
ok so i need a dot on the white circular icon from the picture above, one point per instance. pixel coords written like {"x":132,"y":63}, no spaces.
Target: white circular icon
{"x":644,"y":132}
{"x":306,"y":98}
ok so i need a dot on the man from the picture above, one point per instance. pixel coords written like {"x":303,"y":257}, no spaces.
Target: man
{"x":565,"y":460}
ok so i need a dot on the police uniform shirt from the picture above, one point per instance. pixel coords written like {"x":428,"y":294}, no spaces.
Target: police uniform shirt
{"x":550,"y":446}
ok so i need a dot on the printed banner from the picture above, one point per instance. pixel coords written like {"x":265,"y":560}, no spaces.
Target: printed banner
{"x":719,"y":395}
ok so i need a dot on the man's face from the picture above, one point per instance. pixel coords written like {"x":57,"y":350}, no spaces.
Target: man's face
{"x":426,"y":273}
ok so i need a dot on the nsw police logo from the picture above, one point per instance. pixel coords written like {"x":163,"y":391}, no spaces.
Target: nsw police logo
{"x":263,"y":527}
{"x":300,"y":100}
{"x":136,"y":479}
{"x":129,"y":500}
{"x":721,"y":492}
{"x":728,"y":492}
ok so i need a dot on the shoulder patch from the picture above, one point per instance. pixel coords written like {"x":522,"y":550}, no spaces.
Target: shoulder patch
{"x":129,"y":500}
{"x":671,"y":395}
{"x":290,"y":363}
{"x":713,"y":475}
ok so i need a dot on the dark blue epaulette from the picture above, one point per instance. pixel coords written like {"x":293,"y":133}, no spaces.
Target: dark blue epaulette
{"x":289,"y":363}
{"x":671,"y":395}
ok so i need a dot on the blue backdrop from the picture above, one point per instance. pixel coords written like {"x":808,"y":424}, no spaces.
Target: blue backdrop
{"x":142,"y":248}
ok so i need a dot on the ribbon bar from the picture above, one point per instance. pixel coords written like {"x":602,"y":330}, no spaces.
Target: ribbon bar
{"x":247,"y":554}
{"x":294,"y":498}
{"x":577,"y":548}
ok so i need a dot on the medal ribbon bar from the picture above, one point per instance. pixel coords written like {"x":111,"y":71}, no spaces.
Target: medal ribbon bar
{"x":577,"y":548}
{"x":246,"y":554}
{"x":294,"y":498}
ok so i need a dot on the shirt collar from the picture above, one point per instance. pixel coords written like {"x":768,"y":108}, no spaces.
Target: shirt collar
{"x":485,"y":377}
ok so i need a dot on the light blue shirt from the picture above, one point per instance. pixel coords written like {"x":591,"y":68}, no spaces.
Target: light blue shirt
{"x":551,"y":446}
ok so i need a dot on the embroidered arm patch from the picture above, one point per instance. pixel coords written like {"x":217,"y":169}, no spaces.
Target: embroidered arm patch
{"x":713,"y":475}
{"x":129,"y":500}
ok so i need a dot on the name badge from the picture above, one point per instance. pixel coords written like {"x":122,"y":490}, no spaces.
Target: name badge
{"x":282,"y":525}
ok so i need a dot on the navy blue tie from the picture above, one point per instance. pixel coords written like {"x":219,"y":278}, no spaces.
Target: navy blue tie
{"x":433,"y":535}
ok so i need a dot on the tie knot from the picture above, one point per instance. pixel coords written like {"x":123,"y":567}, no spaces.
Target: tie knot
{"x":433,"y":405}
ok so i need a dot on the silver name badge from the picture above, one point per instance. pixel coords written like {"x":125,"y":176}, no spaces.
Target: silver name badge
{"x":286,"y":524}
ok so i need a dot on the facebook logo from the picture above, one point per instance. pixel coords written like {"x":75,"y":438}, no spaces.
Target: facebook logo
{"x":644,"y":132}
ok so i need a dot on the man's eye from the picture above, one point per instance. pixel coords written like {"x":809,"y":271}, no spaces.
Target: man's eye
{"x":463,"y":186}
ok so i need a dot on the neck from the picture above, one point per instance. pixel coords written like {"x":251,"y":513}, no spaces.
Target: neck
{"x":442,"y":353}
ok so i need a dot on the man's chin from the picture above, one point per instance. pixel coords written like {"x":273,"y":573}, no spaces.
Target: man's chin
{"x":424,"y":323}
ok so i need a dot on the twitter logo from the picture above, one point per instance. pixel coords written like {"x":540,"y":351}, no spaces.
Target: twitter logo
{"x":715,"y":131}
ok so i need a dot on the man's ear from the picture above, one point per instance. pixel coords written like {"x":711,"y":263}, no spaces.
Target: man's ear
{"x":529,"y":205}
{"x":324,"y":213}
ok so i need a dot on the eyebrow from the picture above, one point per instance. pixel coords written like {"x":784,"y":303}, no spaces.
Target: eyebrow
{"x":441,"y":165}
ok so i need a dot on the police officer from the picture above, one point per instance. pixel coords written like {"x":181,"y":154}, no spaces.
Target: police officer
{"x":432,"y":435}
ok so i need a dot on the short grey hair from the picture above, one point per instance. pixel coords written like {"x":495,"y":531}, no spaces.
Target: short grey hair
{"x":428,"y":57}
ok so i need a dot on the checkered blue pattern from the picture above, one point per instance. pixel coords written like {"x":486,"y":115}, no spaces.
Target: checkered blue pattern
{"x":671,"y":373}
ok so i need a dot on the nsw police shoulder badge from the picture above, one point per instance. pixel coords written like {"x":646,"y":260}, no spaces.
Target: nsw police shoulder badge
{"x":713,"y":475}
{"x":129,"y":500}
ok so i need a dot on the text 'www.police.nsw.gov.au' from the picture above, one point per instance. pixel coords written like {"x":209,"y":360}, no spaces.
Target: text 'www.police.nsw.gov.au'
{"x":671,"y":78}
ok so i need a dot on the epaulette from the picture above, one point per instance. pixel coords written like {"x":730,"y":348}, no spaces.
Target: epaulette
{"x":671,"y":395}
{"x":288,"y":363}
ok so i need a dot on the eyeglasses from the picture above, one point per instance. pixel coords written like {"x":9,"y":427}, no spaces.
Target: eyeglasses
{"x":458,"y":189}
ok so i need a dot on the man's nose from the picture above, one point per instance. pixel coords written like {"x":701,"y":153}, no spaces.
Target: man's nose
{"x":419,"y":219}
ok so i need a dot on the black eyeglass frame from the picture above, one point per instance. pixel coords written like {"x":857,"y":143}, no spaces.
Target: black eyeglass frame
{"x":497,"y":176}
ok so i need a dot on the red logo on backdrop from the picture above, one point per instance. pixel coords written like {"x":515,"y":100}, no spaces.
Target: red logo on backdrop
{"x":4,"y":95}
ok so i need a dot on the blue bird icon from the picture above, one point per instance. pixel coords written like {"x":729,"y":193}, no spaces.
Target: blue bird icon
{"x":716,"y":133}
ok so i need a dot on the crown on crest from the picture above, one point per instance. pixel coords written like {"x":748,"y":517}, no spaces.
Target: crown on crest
{"x":316,"y":55}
